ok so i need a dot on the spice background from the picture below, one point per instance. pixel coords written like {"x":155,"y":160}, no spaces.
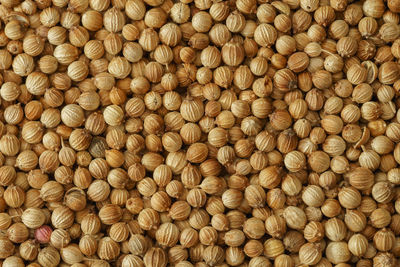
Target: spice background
{"x":195,"y":133}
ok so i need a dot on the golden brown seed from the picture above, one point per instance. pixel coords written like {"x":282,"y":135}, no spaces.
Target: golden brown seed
{"x":211,"y":123}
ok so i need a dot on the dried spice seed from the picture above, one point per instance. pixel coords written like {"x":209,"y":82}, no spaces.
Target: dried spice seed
{"x":193,"y":133}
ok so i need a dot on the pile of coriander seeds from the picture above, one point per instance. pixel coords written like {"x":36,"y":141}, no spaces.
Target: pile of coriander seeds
{"x":196,"y":133}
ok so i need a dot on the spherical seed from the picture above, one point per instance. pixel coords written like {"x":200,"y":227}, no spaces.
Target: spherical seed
{"x":242,"y":120}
